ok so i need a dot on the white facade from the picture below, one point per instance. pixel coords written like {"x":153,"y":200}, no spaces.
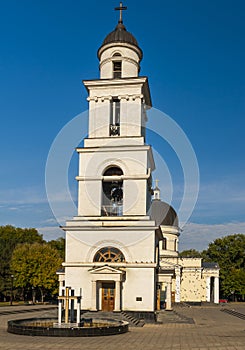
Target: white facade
{"x":113,"y":257}
{"x":111,"y":245}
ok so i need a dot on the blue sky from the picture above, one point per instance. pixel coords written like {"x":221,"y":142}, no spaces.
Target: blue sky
{"x":194,"y":56}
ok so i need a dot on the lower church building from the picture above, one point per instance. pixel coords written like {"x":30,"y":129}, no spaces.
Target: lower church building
{"x":122,"y":247}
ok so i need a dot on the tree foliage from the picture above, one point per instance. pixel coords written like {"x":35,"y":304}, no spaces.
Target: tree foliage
{"x":35,"y":265}
{"x":229,"y":253}
{"x":190,"y":253}
{"x":59,"y":245}
{"x":10,"y":237}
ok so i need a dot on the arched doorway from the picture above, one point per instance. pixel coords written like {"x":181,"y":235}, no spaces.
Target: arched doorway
{"x":110,"y":289}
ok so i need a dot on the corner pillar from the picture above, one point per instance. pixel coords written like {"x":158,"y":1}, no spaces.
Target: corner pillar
{"x":94,"y":296}
{"x":208,"y":289}
{"x":168,"y":295}
{"x":216,"y":290}
{"x":78,"y":310}
{"x":177,"y":285}
{"x":117,"y":296}
{"x":60,"y":311}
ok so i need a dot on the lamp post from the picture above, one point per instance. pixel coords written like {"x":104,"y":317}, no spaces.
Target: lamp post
{"x":11,"y":294}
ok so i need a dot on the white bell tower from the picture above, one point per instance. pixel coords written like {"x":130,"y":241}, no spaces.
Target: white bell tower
{"x":111,"y":245}
{"x":118,"y":103}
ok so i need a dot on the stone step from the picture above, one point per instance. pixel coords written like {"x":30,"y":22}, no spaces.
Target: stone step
{"x":165,"y":317}
{"x":121,"y":316}
{"x":234,"y":313}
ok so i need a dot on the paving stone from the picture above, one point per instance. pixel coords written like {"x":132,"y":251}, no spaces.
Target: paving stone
{"x":212,"y":330}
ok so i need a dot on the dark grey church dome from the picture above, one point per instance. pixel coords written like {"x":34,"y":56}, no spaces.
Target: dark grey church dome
{"x":163,"y":213}
{"x":121,"y":35}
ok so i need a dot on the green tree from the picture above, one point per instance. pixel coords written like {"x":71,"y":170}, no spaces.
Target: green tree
{"x":10,"y":237}
{"x":59,"y":245}
{"x":35,"y":266}
{"x":190,"y":253}
{"x":228,"y":252}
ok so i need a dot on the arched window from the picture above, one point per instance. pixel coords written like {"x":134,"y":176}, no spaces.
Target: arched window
{"x":117,"y":69}
{"x":117,"y":65}
{"x":175,"y":245}
{"x":115,"y":107}
{"x":109,"y":254}
{"x":112,"y":192}
{"x":164,"y":243}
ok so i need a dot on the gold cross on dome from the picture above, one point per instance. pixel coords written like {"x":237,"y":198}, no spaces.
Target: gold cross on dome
{"x":156,"y":181}
{"x":120,"y":8}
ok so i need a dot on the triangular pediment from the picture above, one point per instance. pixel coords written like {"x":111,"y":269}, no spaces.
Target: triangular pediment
{"x":105,"y":269}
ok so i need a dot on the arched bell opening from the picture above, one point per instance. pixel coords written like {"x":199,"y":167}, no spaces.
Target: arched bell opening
{"x":112,"y":192}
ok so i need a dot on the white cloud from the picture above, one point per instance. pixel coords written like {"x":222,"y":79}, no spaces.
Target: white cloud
{"x":222,"y":191}
{"x":32,"y":195}
{"x":51,"y":232}
{"x":198,"y":236}
{"x":25,"y":195}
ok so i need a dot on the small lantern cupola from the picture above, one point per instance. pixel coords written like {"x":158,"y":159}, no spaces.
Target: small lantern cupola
{"x":156,"y":192}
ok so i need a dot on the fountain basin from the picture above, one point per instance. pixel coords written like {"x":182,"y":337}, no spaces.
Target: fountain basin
{"x":48,"y":327}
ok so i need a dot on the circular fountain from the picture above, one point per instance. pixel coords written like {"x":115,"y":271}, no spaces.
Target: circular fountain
{"x":69,"y":322}
{"x":49,"y":327}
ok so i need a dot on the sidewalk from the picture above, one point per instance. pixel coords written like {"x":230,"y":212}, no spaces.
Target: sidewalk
{"x":14,"y":309}
{"x":212,"y":330}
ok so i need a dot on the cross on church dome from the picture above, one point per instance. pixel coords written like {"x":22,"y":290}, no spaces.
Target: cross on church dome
{"x":120,"y":8}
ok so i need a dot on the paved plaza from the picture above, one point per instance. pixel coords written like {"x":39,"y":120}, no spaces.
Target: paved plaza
{"x":212,"y":329}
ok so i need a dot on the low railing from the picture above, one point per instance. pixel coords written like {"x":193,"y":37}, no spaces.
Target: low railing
{"x":114,"y":129}
{"x":112,"y":210}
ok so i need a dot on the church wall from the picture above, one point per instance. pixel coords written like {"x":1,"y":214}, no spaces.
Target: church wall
{"x":138,"y":248}
{"x":80,"y":280}
{"x":99,"y":118}
{"x":129,"y":68}
{"x":192,"y":286}
{"x":190,"y":262}
{"x":130,"y":95}
{"x":140,"y":284}
{"x":117,"y":89}
{"x":129,"y":60}
{"x":135,"y":194}
{"x":136,"y":245}
{"x":88,"y":200}
{"x":133,"y":163}
{"x":131,"y":117}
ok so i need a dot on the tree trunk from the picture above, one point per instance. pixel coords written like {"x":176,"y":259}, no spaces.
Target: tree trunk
{"x":42,"y":295}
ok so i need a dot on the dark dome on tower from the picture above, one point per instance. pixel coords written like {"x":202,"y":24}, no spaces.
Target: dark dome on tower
{"x":122,"y":36}
{"x":163,"y":214}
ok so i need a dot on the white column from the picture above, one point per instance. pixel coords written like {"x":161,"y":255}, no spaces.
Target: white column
{"x":60,"y":311}
{"x":168,"y":295}
{"x":216,"y":290}
{"x":94,"y":296}
{"x":177,"y":286}
{"x":208,"y":289}
{"x":123,"y":117}
{"x":117,"y":296}
{"x":78,"y":310}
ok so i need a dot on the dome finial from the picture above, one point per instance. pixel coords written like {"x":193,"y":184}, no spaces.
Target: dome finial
{"x":156,"y":191}
{"x":120,"y":8}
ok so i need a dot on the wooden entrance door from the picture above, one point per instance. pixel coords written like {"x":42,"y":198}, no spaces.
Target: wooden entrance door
{"x":108,"y":296}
